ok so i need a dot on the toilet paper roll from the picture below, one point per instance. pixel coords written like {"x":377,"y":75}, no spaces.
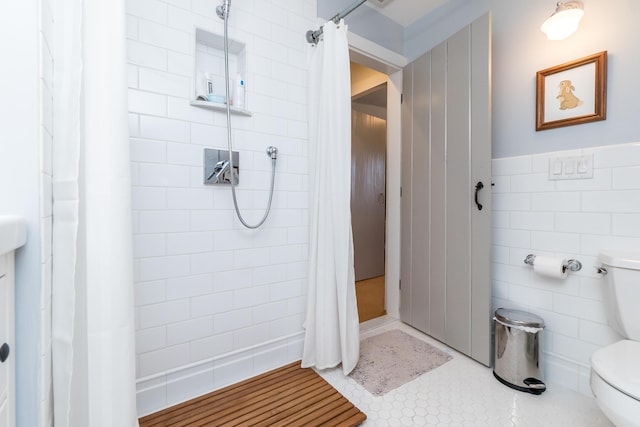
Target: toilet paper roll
{"x":550,"y":267}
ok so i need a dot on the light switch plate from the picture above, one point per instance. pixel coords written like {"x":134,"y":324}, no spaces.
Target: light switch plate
{"x":571,"y":167}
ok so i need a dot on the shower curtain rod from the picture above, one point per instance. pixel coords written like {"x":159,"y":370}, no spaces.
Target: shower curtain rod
{"x":314,"y":36}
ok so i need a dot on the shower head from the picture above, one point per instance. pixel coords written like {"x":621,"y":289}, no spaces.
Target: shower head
{"x":223,"y":9}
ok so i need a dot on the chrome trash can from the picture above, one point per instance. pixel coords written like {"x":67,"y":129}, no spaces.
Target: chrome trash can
{"x":517,"y":350}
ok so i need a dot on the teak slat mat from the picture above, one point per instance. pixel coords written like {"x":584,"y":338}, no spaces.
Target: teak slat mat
{"x":288,"y":396}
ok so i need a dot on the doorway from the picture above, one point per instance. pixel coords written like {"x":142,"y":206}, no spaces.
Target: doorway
{"x":368,"y":188}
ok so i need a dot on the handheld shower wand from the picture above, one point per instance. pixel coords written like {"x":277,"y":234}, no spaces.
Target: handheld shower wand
{"x":223,"y":9}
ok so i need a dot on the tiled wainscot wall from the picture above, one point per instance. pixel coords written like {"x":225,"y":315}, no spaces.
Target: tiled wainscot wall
{"x":569,"y":219}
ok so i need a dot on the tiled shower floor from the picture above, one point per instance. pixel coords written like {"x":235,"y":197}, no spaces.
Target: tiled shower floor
{"x":462,"y":392}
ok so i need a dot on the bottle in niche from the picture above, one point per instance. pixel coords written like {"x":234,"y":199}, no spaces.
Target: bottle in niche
{"x":239,"y":96}
{"x":210,"y":95}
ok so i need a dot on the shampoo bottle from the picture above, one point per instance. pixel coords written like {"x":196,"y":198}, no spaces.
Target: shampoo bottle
{"x":239,"y":97}
{"x":210,"y":97}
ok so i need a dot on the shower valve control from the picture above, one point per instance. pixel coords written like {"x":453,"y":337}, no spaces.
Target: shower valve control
{"x":217,"y":168}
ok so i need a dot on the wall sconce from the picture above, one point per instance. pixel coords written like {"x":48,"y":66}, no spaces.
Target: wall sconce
{"x":564,"y":21}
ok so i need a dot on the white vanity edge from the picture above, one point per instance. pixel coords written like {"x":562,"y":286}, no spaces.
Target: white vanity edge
{"x":13,"y":233}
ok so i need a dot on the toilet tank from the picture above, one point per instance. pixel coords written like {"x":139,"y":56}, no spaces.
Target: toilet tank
{"x":622,"y":292}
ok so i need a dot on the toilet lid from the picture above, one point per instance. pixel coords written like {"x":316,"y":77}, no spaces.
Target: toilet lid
{"x":618,"y":365}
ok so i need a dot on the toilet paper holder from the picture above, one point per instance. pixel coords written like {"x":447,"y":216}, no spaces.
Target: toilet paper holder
{"x":572,"y":264}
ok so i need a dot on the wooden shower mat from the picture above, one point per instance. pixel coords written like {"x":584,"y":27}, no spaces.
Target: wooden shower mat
{"x":288,"y":396}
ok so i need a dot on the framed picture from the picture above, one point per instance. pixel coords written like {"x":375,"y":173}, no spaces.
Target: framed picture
{"x":573,"y":93}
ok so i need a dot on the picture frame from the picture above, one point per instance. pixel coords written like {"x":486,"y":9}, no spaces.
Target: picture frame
{"x":572,"y":93}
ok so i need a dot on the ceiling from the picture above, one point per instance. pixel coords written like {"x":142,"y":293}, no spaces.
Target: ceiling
{"x":376,"y":96}
{"x":405,"y":12}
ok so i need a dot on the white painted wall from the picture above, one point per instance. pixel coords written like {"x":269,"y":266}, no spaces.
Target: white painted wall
{"x":25,"y":189}
{"x":216,"y":303}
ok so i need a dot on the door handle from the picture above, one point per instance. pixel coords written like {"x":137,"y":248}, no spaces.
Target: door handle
{"x":4,"y":352}
{"x":479,"y":186}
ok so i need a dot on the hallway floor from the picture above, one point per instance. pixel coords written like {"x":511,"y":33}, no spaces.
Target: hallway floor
{"x":463,"y":392}
{"x":370,"y":298}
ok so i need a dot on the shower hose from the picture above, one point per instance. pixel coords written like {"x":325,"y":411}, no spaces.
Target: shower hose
{"x":223,"y":12}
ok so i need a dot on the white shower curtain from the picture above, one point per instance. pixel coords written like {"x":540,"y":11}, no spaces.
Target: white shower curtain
{"x":93,"y":370}
{"x":332,"y":328}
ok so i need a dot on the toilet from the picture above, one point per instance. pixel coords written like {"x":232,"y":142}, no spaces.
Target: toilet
{"x":615,"y":369}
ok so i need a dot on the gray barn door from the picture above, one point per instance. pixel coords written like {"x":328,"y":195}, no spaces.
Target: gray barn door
{"x":368,"y":189}
{"x":446,"y":152}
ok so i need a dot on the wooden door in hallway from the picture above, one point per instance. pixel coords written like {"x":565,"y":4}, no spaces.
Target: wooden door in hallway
{"x":368,"y":192}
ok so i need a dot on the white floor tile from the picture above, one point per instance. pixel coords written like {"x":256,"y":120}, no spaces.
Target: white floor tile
{"x":462,"y":392}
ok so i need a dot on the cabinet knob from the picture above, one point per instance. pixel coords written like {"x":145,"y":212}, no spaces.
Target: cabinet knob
{"x":4,"y":352}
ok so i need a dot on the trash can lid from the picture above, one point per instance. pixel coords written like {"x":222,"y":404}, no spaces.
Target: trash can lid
{"x":514,"y":317}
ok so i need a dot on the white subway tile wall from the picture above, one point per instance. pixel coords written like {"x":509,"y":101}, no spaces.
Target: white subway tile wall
{"x":216,"y":303}
{"x":569,"y":219}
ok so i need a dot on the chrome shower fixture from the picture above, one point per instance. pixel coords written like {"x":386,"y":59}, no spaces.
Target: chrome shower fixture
{"x":220,"y":168}
{"x":223,"y":9}
{"x":217,"y":167}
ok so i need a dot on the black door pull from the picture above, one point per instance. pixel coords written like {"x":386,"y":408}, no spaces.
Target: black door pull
{"x":4,"y":352}
{"x":479,"y":186}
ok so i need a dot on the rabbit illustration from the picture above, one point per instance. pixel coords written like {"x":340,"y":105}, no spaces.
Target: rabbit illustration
{"x":566,"y":97}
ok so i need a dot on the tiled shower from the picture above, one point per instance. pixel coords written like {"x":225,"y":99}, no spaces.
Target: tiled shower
{"x":216,"y":303}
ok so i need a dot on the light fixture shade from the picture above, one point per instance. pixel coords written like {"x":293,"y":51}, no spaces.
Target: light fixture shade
{"x":564,"y":20}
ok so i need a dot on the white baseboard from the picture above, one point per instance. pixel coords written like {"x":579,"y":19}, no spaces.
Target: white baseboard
{"x":568,"y":373}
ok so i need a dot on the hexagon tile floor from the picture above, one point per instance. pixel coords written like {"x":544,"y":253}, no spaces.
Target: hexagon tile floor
{"x":462,"y":392}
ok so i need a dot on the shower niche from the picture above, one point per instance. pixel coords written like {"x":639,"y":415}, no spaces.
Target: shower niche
{"x":209,"y":79}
